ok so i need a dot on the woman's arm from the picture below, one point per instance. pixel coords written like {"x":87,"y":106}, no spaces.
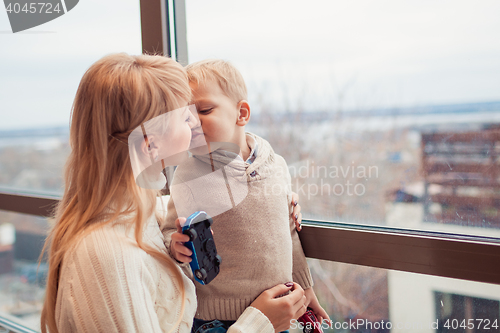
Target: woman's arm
{"x":270,"y":312}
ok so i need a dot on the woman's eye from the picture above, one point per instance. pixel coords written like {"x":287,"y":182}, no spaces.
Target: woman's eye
{"x":205,"y":111}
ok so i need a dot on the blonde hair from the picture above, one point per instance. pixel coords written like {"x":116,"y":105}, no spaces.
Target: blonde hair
{"x":117,"y":94}
{"x":221,"y":72}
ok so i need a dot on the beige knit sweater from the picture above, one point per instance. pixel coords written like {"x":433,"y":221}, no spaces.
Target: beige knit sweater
{"x":257,"y":239}
{"x":108,"y":284}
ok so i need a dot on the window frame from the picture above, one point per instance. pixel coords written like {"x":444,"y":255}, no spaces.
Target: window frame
{"x":163,"y":28}
{"x":456,"y":256}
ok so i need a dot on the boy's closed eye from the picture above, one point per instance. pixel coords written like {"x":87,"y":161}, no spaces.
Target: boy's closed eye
{"x":204,"y":106}
{"x":205,"y":111}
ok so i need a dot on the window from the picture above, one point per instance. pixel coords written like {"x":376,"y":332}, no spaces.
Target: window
{"x":388,"y":120}
{"x":350,"y":95}
{"x":22,"y":281}
{"x":41,"y":69}
{"x":367,"y":299}
{"x":480,"y":314}
{"x":339,"y":87}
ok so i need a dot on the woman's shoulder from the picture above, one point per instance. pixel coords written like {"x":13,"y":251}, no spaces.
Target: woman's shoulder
{"x":105,"y":249}
{"x":111,"y":235}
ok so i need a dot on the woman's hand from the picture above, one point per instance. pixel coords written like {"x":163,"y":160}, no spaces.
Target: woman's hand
{"x":296,"y":214}
{"x":281,"y":310}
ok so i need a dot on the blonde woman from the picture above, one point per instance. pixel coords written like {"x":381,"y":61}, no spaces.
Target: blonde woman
{"x":109,"y":270}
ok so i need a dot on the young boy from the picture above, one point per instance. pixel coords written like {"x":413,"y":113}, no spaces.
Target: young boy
{"x":256,"y":239}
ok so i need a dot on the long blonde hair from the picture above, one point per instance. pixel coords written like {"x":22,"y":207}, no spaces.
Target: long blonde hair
{"x":117,"y":94}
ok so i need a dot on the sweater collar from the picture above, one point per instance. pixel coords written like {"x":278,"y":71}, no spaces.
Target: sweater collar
{"x":254,"y":146}
{"x":264,"y":154}
{"x":224,"y":154}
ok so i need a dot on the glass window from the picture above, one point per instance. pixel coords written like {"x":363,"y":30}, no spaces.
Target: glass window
{"x":22,"y":281}
{"x":387,"y":112}
{"x":41,"y":69}
{"x":460,"y":307}
{"x":373,"y":300}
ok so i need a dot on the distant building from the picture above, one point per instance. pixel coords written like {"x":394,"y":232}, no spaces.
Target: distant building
{"x":456,"y":195}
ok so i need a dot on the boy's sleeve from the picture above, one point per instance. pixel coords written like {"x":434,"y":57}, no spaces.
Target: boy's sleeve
{"x":301,"y":273}
{"x":182,"y":195}
{"x":168,"y":226}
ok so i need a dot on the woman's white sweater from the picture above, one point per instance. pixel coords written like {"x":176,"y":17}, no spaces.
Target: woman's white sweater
{"x":108,"y":284}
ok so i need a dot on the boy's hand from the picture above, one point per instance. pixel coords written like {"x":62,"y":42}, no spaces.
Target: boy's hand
{"x":313,"y":303}
{"x":296,"y":214}
{"x":180,"y":252}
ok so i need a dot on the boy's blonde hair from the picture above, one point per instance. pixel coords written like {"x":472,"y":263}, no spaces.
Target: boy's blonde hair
{"x":221,"y":72}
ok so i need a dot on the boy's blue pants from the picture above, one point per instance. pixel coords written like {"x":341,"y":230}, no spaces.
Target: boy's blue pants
{"x":212,"y":326}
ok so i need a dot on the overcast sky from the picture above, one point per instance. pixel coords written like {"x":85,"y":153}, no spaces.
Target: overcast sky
{"x":293,"y":54}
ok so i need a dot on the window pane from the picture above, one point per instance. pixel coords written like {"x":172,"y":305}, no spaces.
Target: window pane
{"x":41,"y":69}
{"x":387,"y":112}
{"x":367,"y":299}
{"x":22,"y":281}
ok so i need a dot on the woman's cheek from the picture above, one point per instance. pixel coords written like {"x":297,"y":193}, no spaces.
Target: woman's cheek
{"x":188,"y":136}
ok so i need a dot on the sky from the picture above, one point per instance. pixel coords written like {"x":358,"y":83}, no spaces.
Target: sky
{"x":40,"y":68}
{"x":354,"y":54}
{"x":294,"y":55}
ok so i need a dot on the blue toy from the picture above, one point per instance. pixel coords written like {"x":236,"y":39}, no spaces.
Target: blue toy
{"x":205,"y":262}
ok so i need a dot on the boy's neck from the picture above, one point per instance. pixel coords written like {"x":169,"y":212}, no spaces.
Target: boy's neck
{"x":244,"y":148}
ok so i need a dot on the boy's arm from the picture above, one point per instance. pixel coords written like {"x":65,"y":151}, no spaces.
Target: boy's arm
{"x":300,"y":273}
{"x":182,"y":198}
{"x":180,"y":195}
{"x":168,"y":226}
{"x":313,"y":303}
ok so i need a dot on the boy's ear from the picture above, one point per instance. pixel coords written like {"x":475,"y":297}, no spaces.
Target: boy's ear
{"x":149,"y":148}
{"x":243,"y":113}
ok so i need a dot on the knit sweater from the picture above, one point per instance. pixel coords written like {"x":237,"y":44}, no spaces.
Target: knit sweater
{"x":108,"y":284}
{"x":256,"y":239}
